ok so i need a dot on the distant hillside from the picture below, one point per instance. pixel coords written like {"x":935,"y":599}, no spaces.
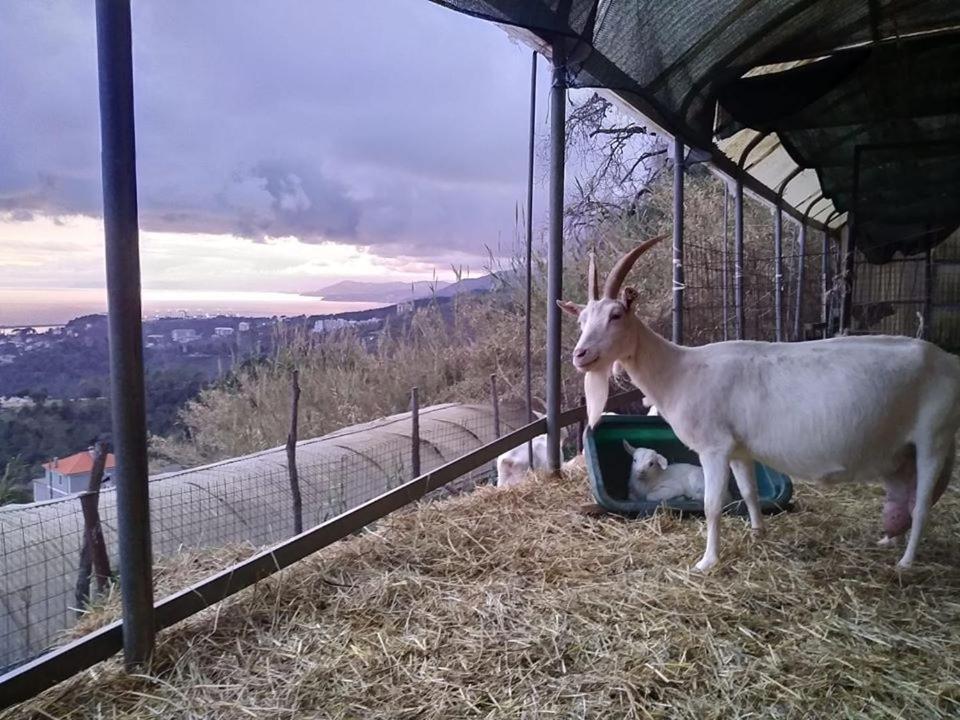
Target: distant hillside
{"x":394,"y":292}
{"x":480,"y":284}
{"x":386,"y":292}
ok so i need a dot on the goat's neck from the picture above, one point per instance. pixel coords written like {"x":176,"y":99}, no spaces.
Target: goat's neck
{"x":653,"y":363}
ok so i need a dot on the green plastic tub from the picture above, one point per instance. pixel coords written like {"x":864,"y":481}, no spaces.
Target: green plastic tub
{"x":608,"y":466}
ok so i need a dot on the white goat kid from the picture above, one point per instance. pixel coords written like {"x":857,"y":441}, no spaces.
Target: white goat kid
{"x":514,"y":465}
{"x":653,"y":478}
{"x":842,"y":409}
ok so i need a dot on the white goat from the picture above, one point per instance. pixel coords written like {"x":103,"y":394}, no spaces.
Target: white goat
{"x":653,"y":478}
{"x":513,"y":465}
{"x":841,"y":409}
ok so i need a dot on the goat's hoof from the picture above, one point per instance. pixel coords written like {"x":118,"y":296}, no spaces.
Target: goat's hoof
{"x":904,"y":564}
{"x":886,"y":541}
{"x":705,"y":564}
{"x":758,"y":532}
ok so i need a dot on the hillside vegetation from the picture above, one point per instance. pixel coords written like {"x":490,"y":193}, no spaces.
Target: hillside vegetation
{"x":449,"y":354}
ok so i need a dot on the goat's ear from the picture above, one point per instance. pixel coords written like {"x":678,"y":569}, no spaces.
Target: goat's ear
{"x":661,"y":461}
{"x":628,"y":447}
{"x":570,"y":308}
{"x":629,"y":296}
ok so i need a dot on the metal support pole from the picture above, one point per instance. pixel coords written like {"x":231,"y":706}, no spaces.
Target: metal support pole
{"x":677,"y":241}
{"x":738,"y":259}
{"x":118,"y":160}
{"x":778,"y":271}
{"x":495,"y":398}
{"x":726,"y":292}
{"x":929,"y":282}
{"x":825,"y":283}
{"x":528,"y":329}
{"x":415,"y":431}
{"x":846,"y":299}
{"x":802,"y":248}
{"x":558,"y":97}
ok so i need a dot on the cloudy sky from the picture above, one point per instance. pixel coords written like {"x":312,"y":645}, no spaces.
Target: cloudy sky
{"x":282,"y":144}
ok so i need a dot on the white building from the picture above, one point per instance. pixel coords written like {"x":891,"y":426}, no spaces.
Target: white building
{"x":69,"y":475}
{"x":223,"y":331}
{"x":330,"y":324}
{"x":243,"y":326}
{"x":184,"y":335}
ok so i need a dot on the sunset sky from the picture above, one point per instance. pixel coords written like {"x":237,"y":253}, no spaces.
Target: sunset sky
{"x":281,"y":145}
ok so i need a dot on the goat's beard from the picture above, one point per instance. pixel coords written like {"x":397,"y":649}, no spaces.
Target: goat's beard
{"x":596,"y":388}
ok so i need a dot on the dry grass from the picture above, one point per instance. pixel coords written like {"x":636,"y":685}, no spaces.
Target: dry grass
{"x":516,"y":605}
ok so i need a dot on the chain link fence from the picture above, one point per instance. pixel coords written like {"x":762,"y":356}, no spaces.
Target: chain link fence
{"x":245,"y":501}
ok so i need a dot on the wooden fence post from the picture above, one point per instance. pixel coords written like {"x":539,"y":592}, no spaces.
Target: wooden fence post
{"x":415,"y":431}
{"x":93,"y":553}
{"x":292,"y":455}
{"x":496,"y":405}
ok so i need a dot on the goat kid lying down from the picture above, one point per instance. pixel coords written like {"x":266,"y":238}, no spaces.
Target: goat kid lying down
{"x":653,"y":478}
{"x":846,"y":409}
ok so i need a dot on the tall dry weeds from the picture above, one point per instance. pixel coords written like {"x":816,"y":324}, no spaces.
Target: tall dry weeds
{"x":449,"y":353}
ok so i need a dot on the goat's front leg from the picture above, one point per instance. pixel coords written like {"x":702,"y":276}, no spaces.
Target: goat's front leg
{"x":715,"y":467}
{"x":746,"y":474}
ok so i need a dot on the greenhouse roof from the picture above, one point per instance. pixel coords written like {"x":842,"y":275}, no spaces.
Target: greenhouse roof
{"x":839,"y":104}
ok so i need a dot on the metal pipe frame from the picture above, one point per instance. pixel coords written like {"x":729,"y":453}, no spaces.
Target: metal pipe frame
{"x":738,"y":236}
{"x":801,"y":262}
{"x":678,"y":281}
{"x":723,"y":257}
{"x":778,"y":252}
{"x":558,"y":97}
{"x":825,"y":283}
{"x":528,"y":351}
{"x":778,"y":272}
{"x":846,"y":299}
{"x":127,"y":394}
{"x":739,"y":320}
{"x":46,"y":671}
{"x":929,"y":277}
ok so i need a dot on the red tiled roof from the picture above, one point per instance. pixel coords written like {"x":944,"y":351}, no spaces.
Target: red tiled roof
{"x":82,"y":462}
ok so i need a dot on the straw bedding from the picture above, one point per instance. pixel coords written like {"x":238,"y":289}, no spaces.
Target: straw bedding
{"x":517,"y":604}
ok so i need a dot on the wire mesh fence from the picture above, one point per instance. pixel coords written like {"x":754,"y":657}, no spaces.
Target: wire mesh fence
{"x":241,"y":502}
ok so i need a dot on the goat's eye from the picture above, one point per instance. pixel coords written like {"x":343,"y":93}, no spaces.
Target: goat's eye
{"x":616,"y":315}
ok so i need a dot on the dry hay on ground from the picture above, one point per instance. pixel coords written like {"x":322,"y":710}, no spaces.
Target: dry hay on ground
{"x":514,"y":604}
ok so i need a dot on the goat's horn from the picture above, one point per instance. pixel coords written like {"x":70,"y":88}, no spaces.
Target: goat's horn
{"x":593,"y":280}
{"x":619,"y":273}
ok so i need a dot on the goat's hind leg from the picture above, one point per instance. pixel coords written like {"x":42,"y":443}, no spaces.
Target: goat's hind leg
{"x":746,"y":474}
{"x":934,"y":456}
{"x":715,"y":467}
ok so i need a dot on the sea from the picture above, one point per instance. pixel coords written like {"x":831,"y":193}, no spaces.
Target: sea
{"x":44,"y":309}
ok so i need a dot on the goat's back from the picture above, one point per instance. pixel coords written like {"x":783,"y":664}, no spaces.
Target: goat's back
{"x":843,"y":406}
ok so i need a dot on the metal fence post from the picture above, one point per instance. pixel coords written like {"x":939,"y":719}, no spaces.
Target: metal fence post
{"x":738,"y":258}
{"x":778,"y":271}
{"x":677,"y":240}
{"x":495,"y":398}
{"x":825,"y":283}
{"x":415,"y":431}
{"x":802,"y":248}
{"x":849,"y":267}
{"x":528,"y":355}
{"x":726,"y":270}
{"x":581,"y":426}
{"x":558,"y":98}
{"x":118,"y":160}
{"x":929,"y":282}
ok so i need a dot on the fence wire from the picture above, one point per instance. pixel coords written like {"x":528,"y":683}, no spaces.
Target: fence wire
{"x":242,"y":502}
